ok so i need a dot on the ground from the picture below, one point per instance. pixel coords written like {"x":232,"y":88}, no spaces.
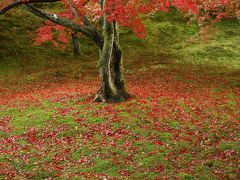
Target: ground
{"x":181,"y":122}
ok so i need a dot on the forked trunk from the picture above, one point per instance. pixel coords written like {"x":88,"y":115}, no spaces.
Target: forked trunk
{"x":110,"y":68}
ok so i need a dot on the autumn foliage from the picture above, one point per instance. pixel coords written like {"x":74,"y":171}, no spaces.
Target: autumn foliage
{"x":181,"y":123}
{"x":128,"y":13}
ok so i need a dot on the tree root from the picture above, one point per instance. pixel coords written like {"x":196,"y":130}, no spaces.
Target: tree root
{"x":100,"y":97}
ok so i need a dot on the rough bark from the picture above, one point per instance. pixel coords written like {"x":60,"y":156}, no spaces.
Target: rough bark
{"x":112,"y":82}
{"x":117,"y":64}
{"x":76,"y":48}
{"x":110,"y":67}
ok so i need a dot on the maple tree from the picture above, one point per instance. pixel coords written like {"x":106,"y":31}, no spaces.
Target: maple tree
{"x":100,"y":20}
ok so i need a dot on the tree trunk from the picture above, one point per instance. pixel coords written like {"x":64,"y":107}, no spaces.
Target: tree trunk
{"x":75,"y":43}
{"x":110,"y":67}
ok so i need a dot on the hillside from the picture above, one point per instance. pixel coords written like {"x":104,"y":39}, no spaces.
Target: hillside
{"x":181,"y":122}
{"x":169,"y":41}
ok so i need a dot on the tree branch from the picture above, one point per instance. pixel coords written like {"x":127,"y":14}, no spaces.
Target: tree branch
{"x":19,"y":2}
{"x":79,"y":15}
{"x":88,"y":31}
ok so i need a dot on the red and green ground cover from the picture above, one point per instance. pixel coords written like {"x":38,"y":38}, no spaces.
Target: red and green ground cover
{"x":180,"y":123}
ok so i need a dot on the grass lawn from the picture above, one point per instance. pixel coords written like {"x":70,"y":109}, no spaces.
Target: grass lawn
{"x":181,"y":122}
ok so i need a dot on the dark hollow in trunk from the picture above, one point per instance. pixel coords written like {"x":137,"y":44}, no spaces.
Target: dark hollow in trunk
{"x":111,"y":68}
{"x":112,"y":82}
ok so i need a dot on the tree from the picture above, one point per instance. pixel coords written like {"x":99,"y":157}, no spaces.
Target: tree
{"x":90,"y":17}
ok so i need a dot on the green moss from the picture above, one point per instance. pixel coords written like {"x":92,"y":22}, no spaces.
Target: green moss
{"x":146,"y":147}
{"x":124,"y":114}
{"x":92,"y":119}
{"x":225,"y":145}
{"x":174,"y":124}
{"x":83,"y":151}
{"x":185,"y":176}
{"x":105,"y":166}
{"x":30,"y":117}
{"x":164,"y":137}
